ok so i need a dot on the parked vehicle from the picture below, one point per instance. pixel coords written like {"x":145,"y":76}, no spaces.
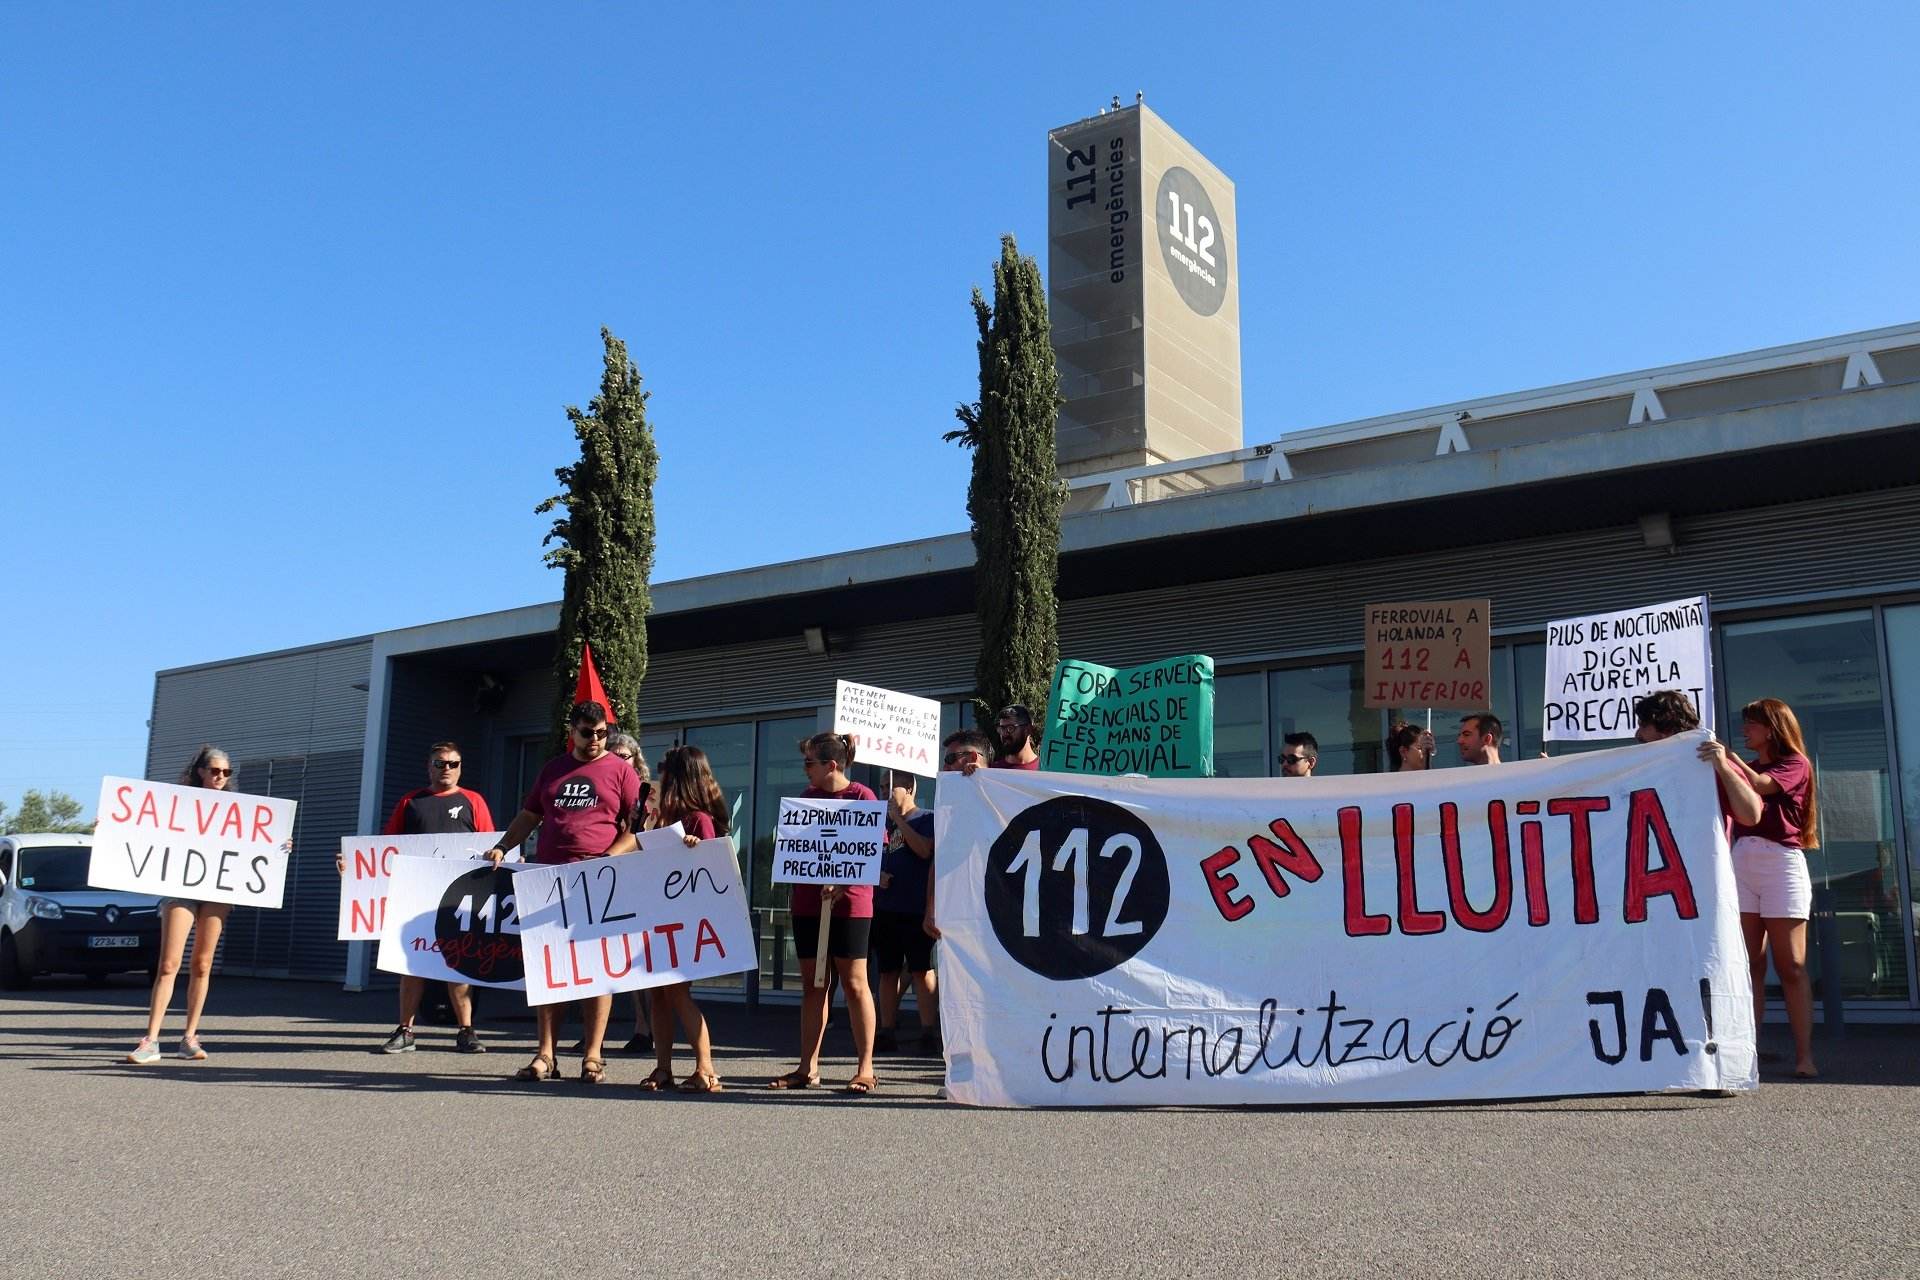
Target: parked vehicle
{"x":51,"y":922}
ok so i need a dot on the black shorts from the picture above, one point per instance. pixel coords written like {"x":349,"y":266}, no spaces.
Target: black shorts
{"x":899,"y":942}
{"x":847,"y":938}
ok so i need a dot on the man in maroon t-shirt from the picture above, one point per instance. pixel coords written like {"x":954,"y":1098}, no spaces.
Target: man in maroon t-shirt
{"x":1017,"y":740}
{"x":583,"y":802}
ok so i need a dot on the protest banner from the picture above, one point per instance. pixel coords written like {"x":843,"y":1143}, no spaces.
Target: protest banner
{"x":366,"y":862}
{"x":1548,"y":927}
{"x":1598,"y":665}
{"x":189,"y":842}
{"x":1155,"y":719}
{"x":1430,"y":653}
{"x":891,"y":730}
{"x":453,"y":920}
{"x":829,"y":841}
{"x":638,"y":920}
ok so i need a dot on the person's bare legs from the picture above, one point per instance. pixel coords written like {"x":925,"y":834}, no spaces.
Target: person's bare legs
{"x":860,"y":1011}
{"x":1756,"y":935}
{"x":208,"y":923}
{"x":411,"y":990}
{"x":889,"y":994}
{"x":595,"y":1013}
{"x":813,"y":1016}
{"x":1787,"y":939}
{"x":926,"y":998}
{"x":677,"y":1001}
{"x":460,"y":996}
{"x":661,"y":1028}
{"x":175,"y":925}
{"x":546,"y":1019}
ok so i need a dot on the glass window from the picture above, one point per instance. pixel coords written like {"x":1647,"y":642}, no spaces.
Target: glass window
{"x":1827,"y":668}
{"x":777,"y":773}
{"x":1903,"y":656}
{"x":655,"y":743}
{"x":1240,"y":726}
{"x":1325,"y":701}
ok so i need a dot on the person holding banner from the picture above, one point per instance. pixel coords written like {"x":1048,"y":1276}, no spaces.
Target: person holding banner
{"x":689,"y":795}
{"x":900,"y":939}
{"x":1018,"y":737}
{"x":211,"y":768}
{"x":826,"y":757}
{"x":963,"y":753}
{"x":1409,"y":747}
{"x":585,"y":801}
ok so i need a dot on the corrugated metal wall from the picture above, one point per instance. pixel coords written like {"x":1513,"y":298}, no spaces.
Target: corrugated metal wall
{"x":295,"y":726}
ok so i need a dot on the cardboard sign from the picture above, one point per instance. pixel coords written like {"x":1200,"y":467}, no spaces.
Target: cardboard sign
{"x":189,"y":842}
{"x":1430,"y":653}
{"x":453,"y":920}
{"x":891,"y":730}
{"x":1546,"y":927}
{"x":829,"y":841}
{"x":1155,"y":719}
{"x":638,"y":920}
{"x":367,"y":862}
{"x":1597,"y":666}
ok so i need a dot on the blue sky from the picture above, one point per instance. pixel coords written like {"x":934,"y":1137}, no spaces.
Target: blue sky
{"x":294,"y":296}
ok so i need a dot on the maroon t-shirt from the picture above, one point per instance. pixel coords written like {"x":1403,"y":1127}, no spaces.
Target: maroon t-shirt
{"x":1014,"y":764}
{"x":698,"y":823}
{"x":1783,"y":815}
{"x":580,"y":805}
{"x":855,"y":901}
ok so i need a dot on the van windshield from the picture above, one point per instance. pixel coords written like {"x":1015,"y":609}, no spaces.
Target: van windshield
{"x":54,"y":868}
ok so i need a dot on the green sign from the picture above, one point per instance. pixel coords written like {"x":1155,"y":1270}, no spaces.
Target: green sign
{"x":1156,"y":719}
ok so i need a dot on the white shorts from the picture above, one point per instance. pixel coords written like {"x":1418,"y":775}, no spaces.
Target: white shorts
{"x":1772,"y":879}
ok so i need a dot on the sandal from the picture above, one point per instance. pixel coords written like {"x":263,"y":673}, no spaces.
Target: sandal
{"x":657,"y":1079}
{"x":861,"y":1085}
{"x":795,"y":1079}
{"x":593,"y":1071}
{"x":541,"y":1068}
{"x":702,"y":1082}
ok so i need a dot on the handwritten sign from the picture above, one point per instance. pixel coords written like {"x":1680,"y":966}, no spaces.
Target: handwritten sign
{"x":893,"y":730}
{"x":1598,"y":665}
{"x":1559,"y":926}
{"x":829,"y":841}
{"x":638,"y":920}
{"x":366,"y":863}
{"x":1430,"y":653}
{"x":1155,"y":719}
{"x":189,"y":842}
{"x":452,"y":920}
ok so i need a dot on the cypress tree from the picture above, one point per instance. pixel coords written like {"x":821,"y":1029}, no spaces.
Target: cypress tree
{"x":605,"y":541}
{"x":1015,"y":496}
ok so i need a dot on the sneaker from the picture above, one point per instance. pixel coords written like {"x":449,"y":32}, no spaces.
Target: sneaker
{"x":401,"y":1041}
{"x":190,"y":1050}
{"x":641,"y":1044}
{"x":145,"y":1053}
{"x":884,"y":1041}
{"x":465,"y":1042}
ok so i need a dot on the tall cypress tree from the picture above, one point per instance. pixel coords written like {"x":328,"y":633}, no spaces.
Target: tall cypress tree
{"x":605,"y":537}
{"x":1015,"y":495}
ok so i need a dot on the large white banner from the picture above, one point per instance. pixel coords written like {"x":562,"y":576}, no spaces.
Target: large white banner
{"x":366,"y":864}
{"x":453,"y":920}
{"x":829,"y":841}
{"x":1548,"y":927}
{"x":893,"y":730}
{"x":189,"y":842}
{"x":1597,"y":666}
{"x":644,"y":919}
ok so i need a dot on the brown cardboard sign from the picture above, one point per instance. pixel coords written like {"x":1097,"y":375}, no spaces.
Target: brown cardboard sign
{"x":1430,"y":653}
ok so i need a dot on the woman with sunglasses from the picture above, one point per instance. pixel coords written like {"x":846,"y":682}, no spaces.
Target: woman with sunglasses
{"x":826,"y":757}
{"x":211,"y":768}
{"x":689,"y":795}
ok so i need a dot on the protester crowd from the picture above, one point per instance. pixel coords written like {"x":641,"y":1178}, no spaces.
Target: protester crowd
{"x":593,"y":800}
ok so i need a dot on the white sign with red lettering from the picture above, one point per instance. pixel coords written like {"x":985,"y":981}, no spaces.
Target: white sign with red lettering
{"x":1545,"y":927}
{"x":366,"y":862}
{"x":452,"y":920}
{"x":634,"y":921}
{"x":190,"y":842}
{"x":890,"y":730}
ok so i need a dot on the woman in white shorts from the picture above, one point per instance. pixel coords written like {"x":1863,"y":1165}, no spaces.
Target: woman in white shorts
{"x":1770,"y":864}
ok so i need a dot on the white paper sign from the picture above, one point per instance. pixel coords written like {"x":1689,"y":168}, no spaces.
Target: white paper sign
{"x":1597,"y":666}
{"x":189,"y":842}
{"x":1547,"y":927}
{"x":366,"y":862}
{"x":453,"y":920}
{"x":829,"y":841}
{"x":891,"y":730}
{"x":638,"y":920}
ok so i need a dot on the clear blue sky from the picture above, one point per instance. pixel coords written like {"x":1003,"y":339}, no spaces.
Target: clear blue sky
{"x":294,"y":295}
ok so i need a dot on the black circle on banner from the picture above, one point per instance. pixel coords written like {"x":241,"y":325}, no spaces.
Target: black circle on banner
{"x":1076,"y":886}
{"x":478,"y":927}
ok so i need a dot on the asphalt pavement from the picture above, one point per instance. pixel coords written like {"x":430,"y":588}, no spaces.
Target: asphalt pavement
{"x":294,"y":1151}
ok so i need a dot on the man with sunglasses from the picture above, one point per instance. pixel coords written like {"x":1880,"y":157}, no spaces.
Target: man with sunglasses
{"x":961,"y":753}
{"x":1017,"y":739}
{"x":1299,"y":755}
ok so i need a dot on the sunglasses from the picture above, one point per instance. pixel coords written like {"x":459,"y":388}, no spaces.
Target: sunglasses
{"x":446,"y":764}
{"x":590,"y":734}
{"x":216,"y":772}
{"x":1295,"y":759}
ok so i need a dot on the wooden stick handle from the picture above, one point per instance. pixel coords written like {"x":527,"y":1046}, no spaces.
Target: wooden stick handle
{"x":820,"y":950}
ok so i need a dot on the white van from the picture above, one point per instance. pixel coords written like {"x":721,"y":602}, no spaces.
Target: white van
{"x":51,"y":922}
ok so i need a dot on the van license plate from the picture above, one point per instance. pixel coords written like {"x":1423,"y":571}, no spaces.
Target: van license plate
{"x":112,"y":940}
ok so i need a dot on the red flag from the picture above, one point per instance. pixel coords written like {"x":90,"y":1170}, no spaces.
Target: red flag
{"x":588,"y":687}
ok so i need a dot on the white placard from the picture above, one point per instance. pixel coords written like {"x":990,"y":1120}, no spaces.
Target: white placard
{"x":366,"y":862}
{"x":891,"y":730}
{"x":642,"y":919}
{"x":1546,"y":927}
{"x":190,"y":842}
{"x":453,"y":920}
{"x":829,"y":841}
{"x":1597,"y":666}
